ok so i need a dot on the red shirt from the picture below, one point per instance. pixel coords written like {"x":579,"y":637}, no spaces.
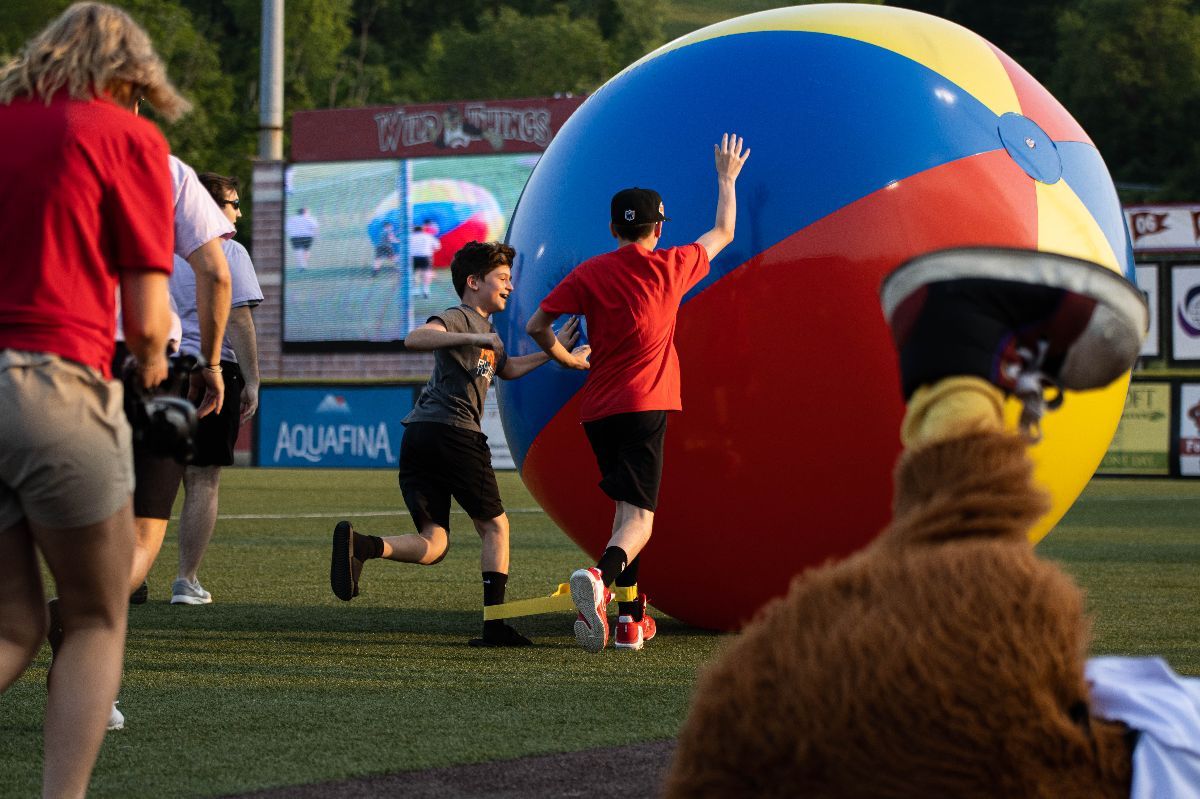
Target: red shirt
{"x":629,"y":298}
{"x":85,"y":192}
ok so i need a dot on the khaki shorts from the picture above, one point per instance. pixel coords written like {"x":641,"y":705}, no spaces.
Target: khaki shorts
{"x":65,"y":454}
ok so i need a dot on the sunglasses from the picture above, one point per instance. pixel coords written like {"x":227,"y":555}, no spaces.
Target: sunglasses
{"x":237,"y":204}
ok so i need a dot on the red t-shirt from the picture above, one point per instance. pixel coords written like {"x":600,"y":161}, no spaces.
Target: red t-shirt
{"x":629,"y":298}
{"x":85,"y":193}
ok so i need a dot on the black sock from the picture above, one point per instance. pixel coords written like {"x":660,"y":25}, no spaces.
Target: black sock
{"x":494,"y":584}
{"x":367,"y":547}
{"x":626,"y":579}
{"x":611,"y":563}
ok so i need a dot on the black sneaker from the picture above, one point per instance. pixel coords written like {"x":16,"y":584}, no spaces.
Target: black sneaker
{"x":344,"y":568}
{"x":500,"y":635}
{"x":140,"y":596}
{"x":1020,"y":319}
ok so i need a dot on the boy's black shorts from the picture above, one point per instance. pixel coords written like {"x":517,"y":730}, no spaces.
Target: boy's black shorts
{"x":422,"y":262}
{"x":217,"y":433}
{"x":629,"y":451}
{"x":440,"y":461}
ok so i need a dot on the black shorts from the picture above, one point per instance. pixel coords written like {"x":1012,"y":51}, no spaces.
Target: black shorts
{"x":217,"y":433}
{"x":156,"y":478}
{"x":385,"y":251}
{"x":157,"y":485}
{"x":440,"y":461}
{"x":629,"y":452}
{"x":302,"y":242}
{"x":422,"y":262}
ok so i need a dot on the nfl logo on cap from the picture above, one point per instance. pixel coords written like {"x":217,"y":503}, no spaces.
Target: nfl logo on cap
{"x":637,"y":207}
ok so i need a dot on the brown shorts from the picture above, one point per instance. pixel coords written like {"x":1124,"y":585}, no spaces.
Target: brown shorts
{"x":65,"y":453}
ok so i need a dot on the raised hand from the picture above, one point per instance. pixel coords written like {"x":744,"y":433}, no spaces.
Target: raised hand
{"x":729,"y":156}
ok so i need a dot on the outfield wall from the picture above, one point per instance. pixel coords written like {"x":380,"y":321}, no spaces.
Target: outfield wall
{"x":1159,"y":433}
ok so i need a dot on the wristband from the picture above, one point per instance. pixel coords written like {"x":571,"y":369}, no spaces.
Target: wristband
{"x":216,"y":367}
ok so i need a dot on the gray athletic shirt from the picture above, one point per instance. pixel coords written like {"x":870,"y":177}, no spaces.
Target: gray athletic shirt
{"x":461,"y":375}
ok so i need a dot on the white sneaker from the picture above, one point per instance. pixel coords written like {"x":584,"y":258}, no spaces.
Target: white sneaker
{"x":189,"y":592}
{"x":591,"y":600}
{"x":116,"y":719}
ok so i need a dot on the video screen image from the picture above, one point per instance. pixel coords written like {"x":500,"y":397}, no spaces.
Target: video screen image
{"x":368,"y":243}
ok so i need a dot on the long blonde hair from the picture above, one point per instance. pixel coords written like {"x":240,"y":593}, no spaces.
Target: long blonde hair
{"x":90,"y":49}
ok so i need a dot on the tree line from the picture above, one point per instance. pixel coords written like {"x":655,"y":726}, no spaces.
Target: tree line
{"x":1128,"y":71}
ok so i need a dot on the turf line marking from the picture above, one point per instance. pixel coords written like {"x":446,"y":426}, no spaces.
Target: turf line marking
{"x":1136,"y":498}
{"x":351,"y":514}
{"x":517,"y":511}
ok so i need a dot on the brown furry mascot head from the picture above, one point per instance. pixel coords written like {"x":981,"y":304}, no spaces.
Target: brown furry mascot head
{"x":946,"y":659}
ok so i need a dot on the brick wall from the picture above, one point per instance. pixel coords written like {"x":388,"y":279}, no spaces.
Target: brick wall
{"x":266,"y":248}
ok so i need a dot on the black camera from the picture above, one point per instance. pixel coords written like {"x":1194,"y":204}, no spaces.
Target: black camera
{"x":163,"y":421}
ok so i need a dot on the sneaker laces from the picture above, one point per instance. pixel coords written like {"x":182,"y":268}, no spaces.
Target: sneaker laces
{"x":1031,"y":383}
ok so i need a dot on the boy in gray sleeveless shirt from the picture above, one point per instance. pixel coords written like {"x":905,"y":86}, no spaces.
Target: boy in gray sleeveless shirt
{"x":444,"y":453}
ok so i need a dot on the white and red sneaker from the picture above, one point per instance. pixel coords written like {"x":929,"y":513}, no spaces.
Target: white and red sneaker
{"x":591,"y":600}
{"x":633,"y":634}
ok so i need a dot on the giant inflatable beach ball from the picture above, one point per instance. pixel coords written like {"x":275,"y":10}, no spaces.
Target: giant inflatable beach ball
{"x":877,"y":134}
{"x":459,"y":210}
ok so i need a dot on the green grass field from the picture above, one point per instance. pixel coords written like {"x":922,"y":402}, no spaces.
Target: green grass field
{"x":279,"y":683}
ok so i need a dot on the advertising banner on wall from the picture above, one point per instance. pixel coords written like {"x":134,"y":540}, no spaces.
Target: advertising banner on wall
{"x":332,"y":426}
{"x":1189,"y":430}
{"x":1185,"y":312}
{"x":1147,"y":281}
{"x":1142,"y":443}
{"x":1164,"y":228}
{"x":348,"y":426}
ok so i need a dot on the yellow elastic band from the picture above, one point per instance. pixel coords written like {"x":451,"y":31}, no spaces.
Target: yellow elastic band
{"x":559,"y":600}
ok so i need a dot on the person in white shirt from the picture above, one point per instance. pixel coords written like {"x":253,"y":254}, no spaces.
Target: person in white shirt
{"x":200,"y":230}
{"x":217,"y":433}
{"x":301,"y":229}
{"x":421,"y":246}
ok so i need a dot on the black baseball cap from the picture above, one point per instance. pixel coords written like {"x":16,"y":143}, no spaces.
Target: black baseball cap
{"x":637,"y":207}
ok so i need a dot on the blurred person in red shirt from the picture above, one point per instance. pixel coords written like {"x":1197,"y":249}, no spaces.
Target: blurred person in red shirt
{"x":85,"y":207}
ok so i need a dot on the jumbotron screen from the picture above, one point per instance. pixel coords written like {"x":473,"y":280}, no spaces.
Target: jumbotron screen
{"x":357,"y":234}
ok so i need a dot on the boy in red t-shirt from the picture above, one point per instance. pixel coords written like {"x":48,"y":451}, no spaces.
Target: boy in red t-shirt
{"x":630,"y":298}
